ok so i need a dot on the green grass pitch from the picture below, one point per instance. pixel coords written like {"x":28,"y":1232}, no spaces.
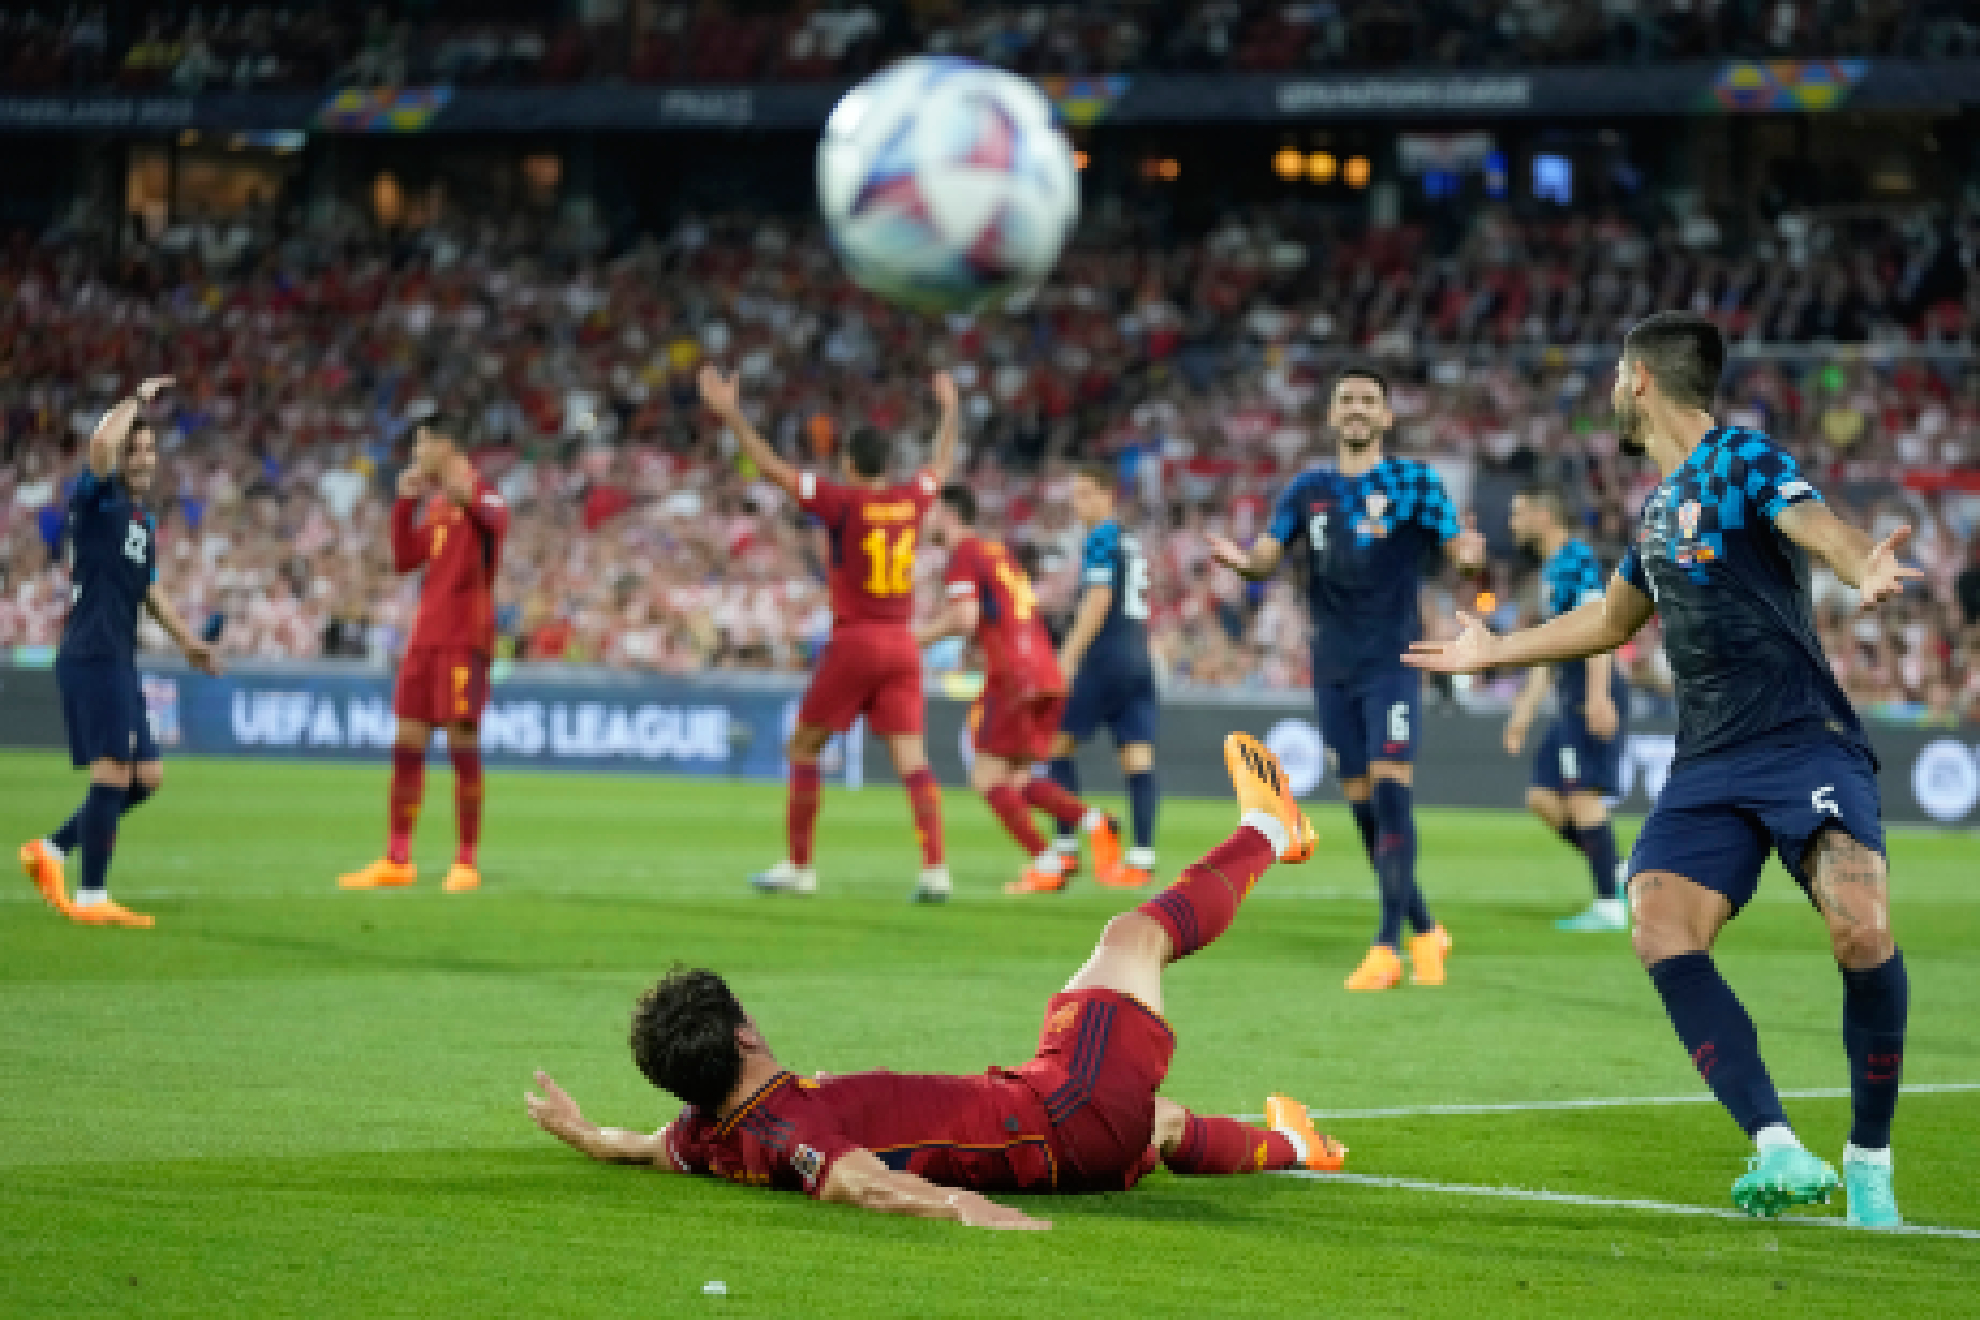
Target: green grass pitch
{"x":290,"y":1100}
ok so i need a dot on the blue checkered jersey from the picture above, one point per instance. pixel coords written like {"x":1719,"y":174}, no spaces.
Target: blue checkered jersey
{"x":1366,"y":540}
{"x":1732,"y":592}
{"x":1571,"y":578}
{"x":112,"y":548}
{"x":1112,"y":558}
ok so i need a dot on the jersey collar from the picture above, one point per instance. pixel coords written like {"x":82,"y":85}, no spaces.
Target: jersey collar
{"x":755,"y":1101}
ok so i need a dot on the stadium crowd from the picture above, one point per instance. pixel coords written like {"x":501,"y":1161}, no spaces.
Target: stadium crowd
{"x":639,"y":540}
{"x":296,"y":46}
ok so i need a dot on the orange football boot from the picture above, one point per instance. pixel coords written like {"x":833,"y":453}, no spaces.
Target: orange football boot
{"x":1262,"y":786}
{"x":109,"y":913}
{"x":1381,"y":970}
{"x":1038,"y":881}
{"x":1105,"y":841}
{"x":1122,"y":876}
{"x":1426,"y":955}
{"x":460,"y":879}
{"x":381,"y":874}
{"x":44,"y":868}
{"x":1285,"y":1114}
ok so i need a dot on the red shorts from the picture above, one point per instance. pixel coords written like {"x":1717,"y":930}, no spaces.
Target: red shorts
{"x":871,"y":671}
{"x":1101,"y":1057}
{"x":1015,"y":720}
{"x":442,"y":686}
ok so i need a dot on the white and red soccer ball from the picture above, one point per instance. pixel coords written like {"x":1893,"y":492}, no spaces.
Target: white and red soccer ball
{"x":945,"y":183}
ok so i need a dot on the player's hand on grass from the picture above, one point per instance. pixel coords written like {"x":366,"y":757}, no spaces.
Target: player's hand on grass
{"x":202,"y":656}
{"x":152,"y":388}
{"x":1600,"y":713}
{"x":718,"y":390}
{"x":946,"y":393}
{"x":555,"y":1112}
{"x":974,"y":1211}
{"x":1884,"y":574}
{"x":1472,"y":650}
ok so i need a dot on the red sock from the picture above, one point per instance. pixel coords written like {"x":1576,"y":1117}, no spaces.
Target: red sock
{"x":467,"y":800}
{"x":925,"y":800}
{"x":801,"y":815}
{"x":408,"y":786}
{"x":1010,"y":809}
{"x":1213,"y":1144}
{"x":1199,"y":906}
{"x":1054,"y":801}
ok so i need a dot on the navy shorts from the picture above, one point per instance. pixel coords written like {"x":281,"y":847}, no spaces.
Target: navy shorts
{"x":1122,"y":699}
{"x":1372,"y":718}
{"x":103,"y":710}
{"x":1573,"y":760}
{"x":1718,"y":816}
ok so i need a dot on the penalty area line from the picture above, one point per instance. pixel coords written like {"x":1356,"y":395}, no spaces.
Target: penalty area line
{"x":1544,"y":1197}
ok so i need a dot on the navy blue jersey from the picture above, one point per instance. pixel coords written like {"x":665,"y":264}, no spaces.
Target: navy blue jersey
{"x":113,"y":560}
{"x":1366,"y":539}
{"x":1112,"y":558}
{"x":1732,"y":591}
{"x":1571,"y":578}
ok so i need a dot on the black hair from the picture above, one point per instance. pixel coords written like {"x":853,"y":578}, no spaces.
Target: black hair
{"x":869,"y":452}
{"x":962,"y":500}
{"x":684,"y":1036}
{"x":1361,"y":371}
{"x":1685,"y":353}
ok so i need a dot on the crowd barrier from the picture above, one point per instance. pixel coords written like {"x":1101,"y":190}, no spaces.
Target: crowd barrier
{"x":734,"y":726}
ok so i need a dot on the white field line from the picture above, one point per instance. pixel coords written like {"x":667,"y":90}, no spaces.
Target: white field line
{"x":1613,"y":1203}
{"x":1608,"y":1102}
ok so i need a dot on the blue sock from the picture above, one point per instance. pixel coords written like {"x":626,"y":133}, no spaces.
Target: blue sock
{"x":1142,"y":797}
{"x":1875,"y":1005}
{"x":1364,"y":822}
{"x":1598,"y":844}
{"x":1395,"y":862}
{"x":98,"y":835}
{"x":70,"y":835}
{"x":1720,"y":1037}
{"x":1065,"y":773}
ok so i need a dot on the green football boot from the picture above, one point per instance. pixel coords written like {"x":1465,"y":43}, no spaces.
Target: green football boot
{"x":1872,"y":1203}
{"x":1782,"y":1177}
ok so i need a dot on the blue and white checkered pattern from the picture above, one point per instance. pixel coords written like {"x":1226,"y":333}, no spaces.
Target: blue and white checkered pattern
{"x":1731,"y":589}
{"x":1112,"y":558}
{"x":1366,"y":539}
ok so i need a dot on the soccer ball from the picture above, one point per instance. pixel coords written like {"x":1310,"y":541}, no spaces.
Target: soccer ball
{"x":945,"y":184}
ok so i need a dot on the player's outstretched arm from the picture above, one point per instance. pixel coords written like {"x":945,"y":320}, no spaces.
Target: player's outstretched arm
{"x":1600,"y":625}
{"x":720,"y":393}
{"x":942,"y":461}
{"x":1872,"y":567}
{"x":556,"y":1113}
{"x":198,"y":653}
{"x":1255,"y":564}
{"x":106,"y":442}
{"x":859,"y":1178}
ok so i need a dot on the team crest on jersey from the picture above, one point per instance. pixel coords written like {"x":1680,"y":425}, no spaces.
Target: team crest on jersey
{"x":807,"y":1163}
{"x":1688,"y":515}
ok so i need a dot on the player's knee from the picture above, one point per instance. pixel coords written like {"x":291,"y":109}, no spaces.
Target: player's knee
{"x":150,"y":777}
{"x":1395,"y":772}
{"x":1134,"y":932}
{"x":1542,"y":802}
{"x":1861,"y":946}
{"x":1358,"y":789}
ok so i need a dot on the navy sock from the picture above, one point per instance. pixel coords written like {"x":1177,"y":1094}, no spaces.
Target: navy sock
{"x":1364,"y":821}
{"x":98,"y":835}
{"x":1875,"y":1004}
{"x":1065,"y":773}
{"x":1598,"y":844}
{"x":135,"y":796}
{"x":1720,"y":1037}
{"x":1141,"y":808}
{"x":70,"y":835}
{"x":1395,"y":862}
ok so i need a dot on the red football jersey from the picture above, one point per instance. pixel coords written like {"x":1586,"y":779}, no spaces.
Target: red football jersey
{"x":987,"y":1133}
{"x":873,"y":534}
{"x":460,"y":547}
{"x":1016,"y":648}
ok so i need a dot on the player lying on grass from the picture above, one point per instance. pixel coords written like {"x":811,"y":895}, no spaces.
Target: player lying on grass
{"x":1080,"y":1116}
{"x":1770,"y":753}
{"x":112,"y":547}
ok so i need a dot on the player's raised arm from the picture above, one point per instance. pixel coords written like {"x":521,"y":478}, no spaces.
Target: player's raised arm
{"x":198,"y":653}
{"x":1872,"y":567}
{"x":1256,"y":564}
{"x":1600,"y":625}
{"x":556,"y":1113}
{"x":106,"y":442}
{"x":942,"y":461}
{"x":859,"y":1178}
{"x":719,"y":393}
